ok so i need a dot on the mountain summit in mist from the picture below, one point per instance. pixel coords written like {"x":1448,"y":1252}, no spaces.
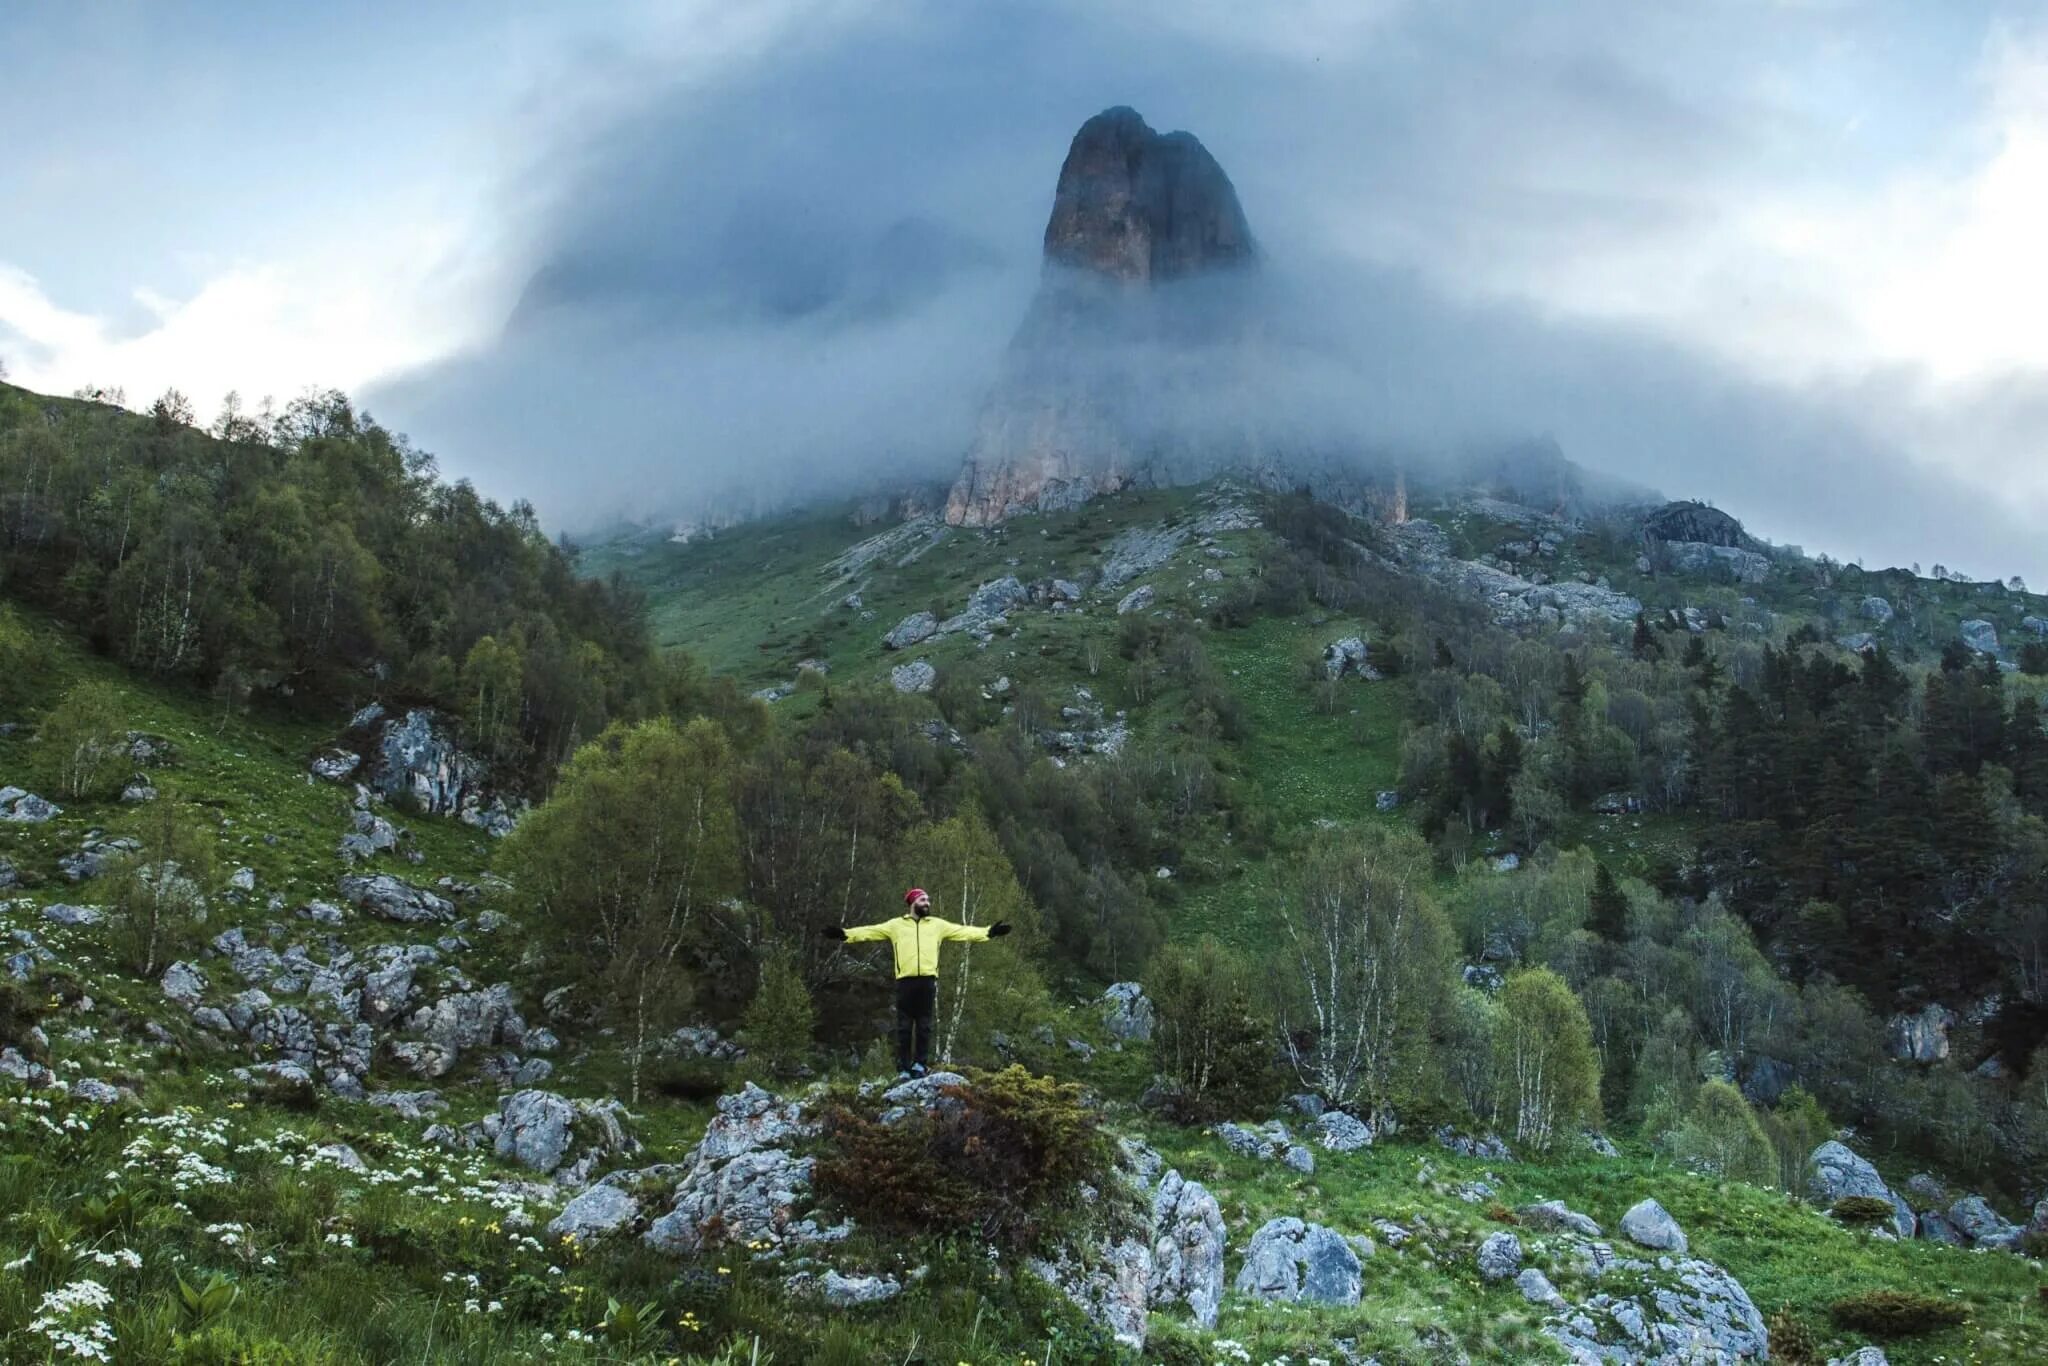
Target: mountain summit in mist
{"x":1135,"y":337}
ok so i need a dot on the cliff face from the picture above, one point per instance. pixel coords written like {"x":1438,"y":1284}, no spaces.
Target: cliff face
{"x":1116,"y":367}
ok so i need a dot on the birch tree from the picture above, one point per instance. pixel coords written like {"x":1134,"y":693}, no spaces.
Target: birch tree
{"x":1549,"y":1076}
{"x":1367,"y":958}
{"x":624,"y":861}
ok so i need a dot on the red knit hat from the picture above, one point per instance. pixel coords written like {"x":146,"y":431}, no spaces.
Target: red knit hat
{"x":911,"y":897}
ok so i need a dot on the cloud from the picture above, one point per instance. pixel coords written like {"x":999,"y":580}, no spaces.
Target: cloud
{"x":1658,"y":236}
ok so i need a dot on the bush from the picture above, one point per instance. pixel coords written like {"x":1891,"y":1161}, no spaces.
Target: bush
{"x":1209,"y":1035}
{"x":998,"y":1157}
{"x":1793,"y":1342}
{"x":778,"y":1025}
{"x":21,"y":1006}
{"x":1721,"y":1135}
{"x":84,"y":743}
{"x":1862,"y":1211}
{"x":1896,"y":1314}
{"x":155,"y":904}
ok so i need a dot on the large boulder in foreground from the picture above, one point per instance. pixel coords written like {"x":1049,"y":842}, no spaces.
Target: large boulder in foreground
{"x":1290,"y":1260}
{"x":1187,"y":1248}
{"x":1834,"y":1172}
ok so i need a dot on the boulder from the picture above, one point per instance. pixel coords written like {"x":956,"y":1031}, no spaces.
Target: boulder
{"x":538,"y":1129}
{"x":1862,"y":1356}
{"x":1289,"y":1260}
{"x":1127,"y":1014}
{"x":393,"y":898}
{"x":742,"y":1184}
{"x":913,"y":678}
{"x":1345,"y":658}
{"x":843,"y":1292}
{"x":26,"y":808}
{"x":1694,"y":1312}
{"x":1110,"y":1282}
{"x":1187,"y":1248}
{"x":94,"y":857}
{"x":1833,"y":1172}
{"x":598,"y":1211}
{"x":1920,"y":1036}
{"x":1983,"y":1225}
{"x":1876,"y":609}
{"x":1649,"y":1224}
{"x":1537,"y":1289}
{"x":386,"y":991}
{"x":1556,"y":1216}
{"x":471,"y":1019}
{"x":1342,"y":1133}
{"x":1137,"y":600}
{"x":1936,"y":1228}
{"x":1500,"y":1256}
{"x":914,"y":629}
{"x":1980,"y":636}
{"x":59,"y":914}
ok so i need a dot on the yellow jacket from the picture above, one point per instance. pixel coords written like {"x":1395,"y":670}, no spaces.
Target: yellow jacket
{"x":916,"y":941}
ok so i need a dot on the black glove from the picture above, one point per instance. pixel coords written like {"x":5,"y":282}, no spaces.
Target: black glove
{"x":999,"y":929}
{"x":836,"y":932}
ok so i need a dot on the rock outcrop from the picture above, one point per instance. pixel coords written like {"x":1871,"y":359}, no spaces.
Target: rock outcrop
{"x":1834,"y":1172}
{"x":1187,"y":1248}
{"x":1093,"y":395}
{"x":1290,"y":1260}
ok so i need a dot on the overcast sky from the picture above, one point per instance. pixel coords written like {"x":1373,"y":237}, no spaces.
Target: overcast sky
{"x":1788,"y":255}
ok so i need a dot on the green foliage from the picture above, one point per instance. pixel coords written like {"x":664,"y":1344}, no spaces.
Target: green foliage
{"x":1549,"y":1076}
{"x":1001,"y":1157}
{"x":1796,"y":1125}
{"x":201,"y":1305}
{"x":1862,"y":1211}
{"x":1890,"y":1314}
{"x":1367,"y":963}
{"x":1210,"y":1035}
{"x":22,"y":660}
{"x":627,"y":860}
{"x":83,"y":743}
{"x":1793,"y":1341}
{"x":22,"y":1006}
{"x":778,"y":1023}
{"x":156,"y":898}
{"x":1722,"y":1135}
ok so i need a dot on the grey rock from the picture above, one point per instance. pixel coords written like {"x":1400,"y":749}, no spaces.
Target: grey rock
{"x":96,"y":1092}
{"x":138,"y":793}
{"x":1299,"y":1159}
{"x":1137,"y":600}
{"x":1979,"y":635}
{"x":1983,"y":1225}
{"x":916,"y":677}
{"x":418,"y":761}
{"x":1936,"y":1228}
{"x":1388,"y":800}
{"x":342,"y":1156}
{"x":1556,"y":1216}
{"x":742,"y":1183}
{"x":408,"y":1105}
{"x":1920,"y":1036}
{"x":183,"y":984}
{"x":242,"y":880}
{"x":15,"y":1067}
{"x":535,"y":1130}
{"x":914,"y":629}
{"x":843,"y":1292}
{"x":26,"y":808}
{"x":1695,"y":557}
{"x":393,"y":898}
{"x":1537,"y":1289}
{"x":1500,"y":1256}
{"x":1289,"y":1260}
{"x":930,"y":1093}
{"x":1876,"y":609}
{"x":1862,"y":1356}
{"x":1650,"y":1225}
{"x":1692,"y":1312}
{"x":1487,"y":1146}
{"x":1187,"y":1248}
{"x":1833,"y":1172}
{"x":1345,"y":658}
{"x":59,"y":914}
{"x":335,"y":765}
{"x":598,"y":1211}
{"x":1342,"y":1133}
{"x":1127,"y":1014}
{"x":386,"y":992}
{"x":472,"y":1019}
{"x":1110,"y":1281}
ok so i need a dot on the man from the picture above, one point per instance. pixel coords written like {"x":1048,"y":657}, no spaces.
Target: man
{"x":916,"y":938}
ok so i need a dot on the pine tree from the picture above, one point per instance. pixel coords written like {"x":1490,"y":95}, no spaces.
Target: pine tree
{"x":1607,"y":908}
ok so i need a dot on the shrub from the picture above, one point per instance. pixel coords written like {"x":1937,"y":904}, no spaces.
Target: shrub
{"x":998,"y":1157}
{"x":1793,"y":1342}
{"x":1862,"y":1211}
{"x":21,"y":1006}
{"x":1209,"y":1035}
{"x":154,"y":902}
{"x":778,"y":1024}
{"x":1543,"y":1055}
{"x":84,"y":743}
{"x":1896,"y":1314}
{"x":1721,"y":1135}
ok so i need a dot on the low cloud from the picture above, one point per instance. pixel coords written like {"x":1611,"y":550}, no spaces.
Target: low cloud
{"x":797,"y":276}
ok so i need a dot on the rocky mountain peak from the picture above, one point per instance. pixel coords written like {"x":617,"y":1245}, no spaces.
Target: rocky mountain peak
{"x":1140,"y":205}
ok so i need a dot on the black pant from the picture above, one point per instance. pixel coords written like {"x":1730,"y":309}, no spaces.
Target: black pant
{"x":916,"y":998}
